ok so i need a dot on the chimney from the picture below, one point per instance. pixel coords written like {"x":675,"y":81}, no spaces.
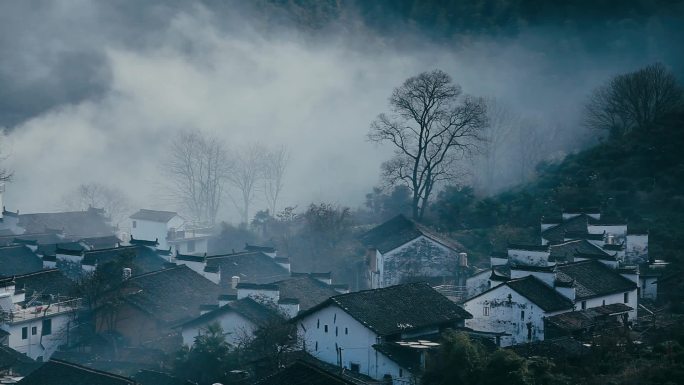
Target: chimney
{"x":234,"y":280}
{"x":610,"y":239}
{"x":463,"y":260}
{"x":127,"y":272}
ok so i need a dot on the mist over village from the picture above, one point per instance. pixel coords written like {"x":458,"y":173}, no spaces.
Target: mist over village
{"x":341,"y":192}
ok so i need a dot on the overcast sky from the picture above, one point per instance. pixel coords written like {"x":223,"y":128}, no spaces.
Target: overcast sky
{"x":92,"y":91}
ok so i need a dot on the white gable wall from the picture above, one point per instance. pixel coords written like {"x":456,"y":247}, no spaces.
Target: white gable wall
{"x":509,"y":316}
{"x":355,"y":340}
{"x":419,"y":257}
{"x":150,"y":230}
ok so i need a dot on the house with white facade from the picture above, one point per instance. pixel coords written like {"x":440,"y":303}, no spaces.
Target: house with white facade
{"x":401,"y":250}
{"x":362,"y":331}
{"x":170,"y":230}
{"x":37,"y":312}
{"x":517,"y":308}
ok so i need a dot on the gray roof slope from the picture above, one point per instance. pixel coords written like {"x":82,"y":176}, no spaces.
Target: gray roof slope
{"x":540,"y":293}
{"x":171,"y":295}
{"x":145,"y":259}
{"x":556,"y":233}
{"x":308,"y":290}
{"x":251,"y":267}
{"x":564,"y":251}
{"x":17,"y":260}
{"x":400,"y":230}
{"x":57,"y":372}
{"x":582,"y":319}
{"x":45,"y":282}
{"x":101,"y":242}
{"x":39,"y":238}
{"x":154,"y":215}
{"x":10,"y":358}
{"x":79,"y":224}
{"x":255,"y":312}
{"x":397,"y":308}
{"x":592,"y":279}
{"x":304,"y":373}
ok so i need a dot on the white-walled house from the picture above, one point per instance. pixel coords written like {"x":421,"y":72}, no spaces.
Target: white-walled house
{"x":353,"y":330}
{"x":155,"y":225}
{"x":238,"y":319}
{"x":36,"y":326}
{"x":517,"y":308}
{"x":401,"y":250}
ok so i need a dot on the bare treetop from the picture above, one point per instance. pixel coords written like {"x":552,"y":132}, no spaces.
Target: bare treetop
{"x":431,"y":127}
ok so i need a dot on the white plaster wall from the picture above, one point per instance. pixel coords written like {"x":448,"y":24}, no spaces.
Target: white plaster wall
{"x":356,"y":345}
{"x":235,"y":327}
{"x":181,"y":246}
{"x":546,"y":277}
{"x":529,"y":257}
{"x":611,"y":299}
{"x":38,"y":345}
{"x":496,"y":261}
{"x":505,"y":316}
{"x":197,"y":267}
{"x":149,"y":230}
{"x":478,"y":283}
{"x":419,"y":257}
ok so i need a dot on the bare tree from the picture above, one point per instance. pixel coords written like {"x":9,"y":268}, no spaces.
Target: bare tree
{"x":246,"y":176}
{"x":114,"y":201}
{"x":198,"y":168}
{"x":431,"y":127}
{"x":633,"y":100}
{"x":274,"y":165}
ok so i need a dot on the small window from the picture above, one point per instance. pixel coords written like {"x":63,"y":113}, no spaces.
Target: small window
{"x":485,"y":311}
{"x":604,"y":302}
{"x":354,"y":367}
{"x":335,"y":318}
{"x":318,"y":323}
{"x":627,"y":297}
{"x":584,"y":305}
{"x":346,"y":331}
{"x":47,"y":327}
{"x":135,"y":224}
{"x":191,"y":246}
{"x":336,"y":331}
{"x":325,"y":328}
{"x":24,"y":333}
{"x":316,"y":346}
{"x":401,"y":372}
{"x":522,"y":315}
{"x":34,"y":331}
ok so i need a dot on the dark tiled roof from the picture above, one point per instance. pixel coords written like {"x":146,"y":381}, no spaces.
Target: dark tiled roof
{"x":540,"y":293}
{"x":263,"y":249}
{"x":599,"y":257}
{"x":252,"y":267}
{"x":17,"y":260}
{"x":190,"y":258}
{"x":397,"y":308}
{"x":10,"y":358}
{"x":308,"y":290}
{"x":151,"y":377}
{"x":407,"y":358}
{"x":144,"y":242}
{"x":304,"y":373}
{"x":556,"y":233}
{"x":80,"y":224}
{"x":592,"y":279}
{"x":582,"y":319}
{"x":564,"y":251}
{"x":56,"y":372}
{"x":101,"y":242}
{"x":583,"y":235}
{"x":614,"y":247}
{"x":50,"y":281}
{"x":154,"y":215}
{"x":400,"y":230}
{"x":253,"y":311}
{"x":172,"y":295}
{"x":52,"y":248}
{"x":144,"y":259}
{"x":520,"y":246}
{"x":40,"y":238}
{"x":559,"y":348}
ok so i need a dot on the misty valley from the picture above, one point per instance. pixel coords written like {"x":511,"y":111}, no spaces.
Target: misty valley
{"x":341,"y":192}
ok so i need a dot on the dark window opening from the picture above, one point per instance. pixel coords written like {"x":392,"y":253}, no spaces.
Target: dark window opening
{"x":626,"y":297}
{"x":356,"y":368}
{"x":584,"y":305}
{"x":135,"y":224}
{"x":401,"y":372}
{"x":318,"y":323}
{"x":47,"y":327}
{"x":316,"y":346}
{"x":34,"y":331}
{"x":325,"y":328}
{"x":346,"y":331}
{"x":522,"y":315}
{"x":336,"y":331}
{"x":24,"y":333}
{"x":529,"y":330}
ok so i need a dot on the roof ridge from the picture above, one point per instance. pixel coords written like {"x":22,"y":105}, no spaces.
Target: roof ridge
{"x":87,"y":369}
